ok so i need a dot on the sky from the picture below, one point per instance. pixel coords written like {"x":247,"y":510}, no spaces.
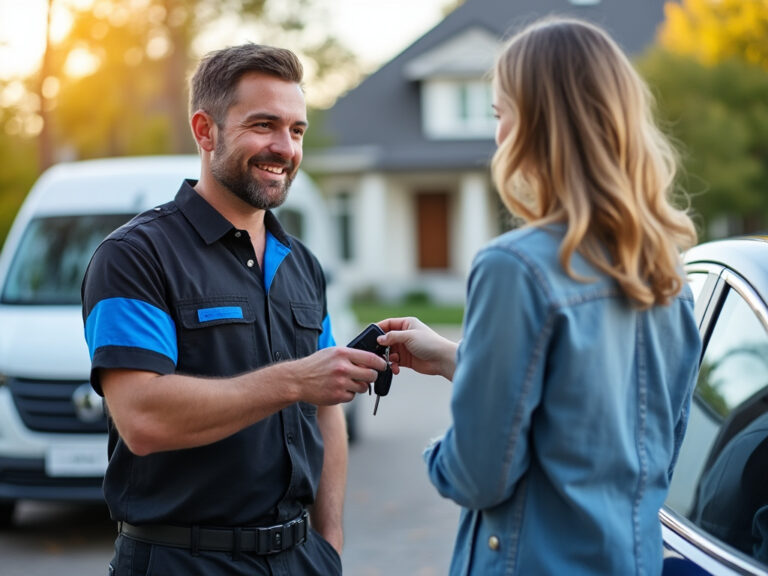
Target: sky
{"x":376,"y":30}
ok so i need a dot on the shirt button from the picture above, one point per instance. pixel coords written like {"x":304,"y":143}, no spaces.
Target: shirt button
{"x":278,"y":356}
{"x":238,"y":234}
{"x":250,"y":263}
{"x":493,"y":543}
{"x":289,"y":438}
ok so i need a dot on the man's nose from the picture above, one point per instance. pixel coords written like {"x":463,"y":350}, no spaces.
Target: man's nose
{"x":282,"y":144}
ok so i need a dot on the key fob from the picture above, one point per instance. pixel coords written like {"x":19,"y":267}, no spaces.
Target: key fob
{"x":383,"y":382}
{"x":366,"y":340}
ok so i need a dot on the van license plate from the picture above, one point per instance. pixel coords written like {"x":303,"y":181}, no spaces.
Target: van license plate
{"x":75,"y":460}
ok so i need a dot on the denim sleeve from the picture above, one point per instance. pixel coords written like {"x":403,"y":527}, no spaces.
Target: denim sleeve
{"x":496,"y":386}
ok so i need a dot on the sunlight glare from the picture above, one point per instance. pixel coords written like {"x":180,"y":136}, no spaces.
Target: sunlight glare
{"x":12,"y":94}
{"x":81,"y":62}
{"x":51,"y":87}
{"x":158,"y":46}
{"x":22,"y":37}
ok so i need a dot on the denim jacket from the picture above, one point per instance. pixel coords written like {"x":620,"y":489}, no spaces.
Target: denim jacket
{"x":569,"y":406}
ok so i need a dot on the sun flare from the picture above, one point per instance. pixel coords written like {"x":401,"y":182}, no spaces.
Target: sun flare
{"x":22,"y":32}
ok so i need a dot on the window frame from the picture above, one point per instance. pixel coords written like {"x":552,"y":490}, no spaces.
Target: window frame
{"x":685,"y":537}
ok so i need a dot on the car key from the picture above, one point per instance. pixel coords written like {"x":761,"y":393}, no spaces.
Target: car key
{"x":383,"y":382}
{"x":366,"y":340}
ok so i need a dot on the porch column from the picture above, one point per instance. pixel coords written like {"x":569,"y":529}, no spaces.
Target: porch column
{"x":371,"y":229}
{"x":475,"y":219}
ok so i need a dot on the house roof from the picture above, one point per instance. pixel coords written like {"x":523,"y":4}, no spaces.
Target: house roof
{"x":378,"y":124}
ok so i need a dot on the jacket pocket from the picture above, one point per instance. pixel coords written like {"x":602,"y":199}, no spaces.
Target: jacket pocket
{"x":221,"y":326}
{"x":307,"y":326}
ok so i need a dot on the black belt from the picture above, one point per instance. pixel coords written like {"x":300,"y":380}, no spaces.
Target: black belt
{"x":261,"y":540}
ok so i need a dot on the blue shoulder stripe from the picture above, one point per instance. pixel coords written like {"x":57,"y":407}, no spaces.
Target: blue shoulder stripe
{"x":274,"y":254}
{"x":326,"y":339}
{"x":132,"y":323}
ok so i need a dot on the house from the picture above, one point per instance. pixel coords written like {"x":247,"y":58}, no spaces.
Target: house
{"x":407,"y":172}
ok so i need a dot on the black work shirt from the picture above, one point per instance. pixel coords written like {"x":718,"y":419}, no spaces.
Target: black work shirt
{"x":178,"y":289}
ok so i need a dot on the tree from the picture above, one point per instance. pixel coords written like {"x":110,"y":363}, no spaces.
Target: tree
{"x":713,"y":31}
{"x":718,"y":115}
{"x":116,"y":84}
{"x":132,"y":100}
{"x":711,"y":75}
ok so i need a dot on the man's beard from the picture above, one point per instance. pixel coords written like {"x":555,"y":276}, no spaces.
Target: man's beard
{"x":264,"y":196}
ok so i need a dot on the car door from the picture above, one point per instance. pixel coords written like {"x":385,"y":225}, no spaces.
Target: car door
{"x":716,"y":515}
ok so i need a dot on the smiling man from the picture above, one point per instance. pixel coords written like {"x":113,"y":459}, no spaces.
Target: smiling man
{"x":210,"y":342}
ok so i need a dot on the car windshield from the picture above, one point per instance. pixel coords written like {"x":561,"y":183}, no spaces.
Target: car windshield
{"x":52,"y":257}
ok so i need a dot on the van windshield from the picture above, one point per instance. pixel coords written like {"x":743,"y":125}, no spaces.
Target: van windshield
{"x":54,"y":252}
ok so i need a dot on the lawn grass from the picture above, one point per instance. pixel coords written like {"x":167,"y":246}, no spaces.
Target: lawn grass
{"x":368,"y":312}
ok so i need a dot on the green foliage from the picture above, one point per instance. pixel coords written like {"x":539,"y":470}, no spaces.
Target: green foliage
{"x":18,"y":171}
{"x":368,"y":307}
{"x":718,"y":116}
{"x":367,"y":312}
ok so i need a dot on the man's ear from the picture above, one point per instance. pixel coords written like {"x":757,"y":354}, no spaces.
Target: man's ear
{"x":204,"y":129}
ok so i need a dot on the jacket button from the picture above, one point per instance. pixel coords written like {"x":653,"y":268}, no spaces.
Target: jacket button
{"x":278,"y":356}
{"x":493,"y":543}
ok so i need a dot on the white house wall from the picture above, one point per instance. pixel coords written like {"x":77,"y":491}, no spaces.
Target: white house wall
{"x":384,"y":221}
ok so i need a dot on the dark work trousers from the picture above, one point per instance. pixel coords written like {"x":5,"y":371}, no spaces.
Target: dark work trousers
{"x":315,"y":557}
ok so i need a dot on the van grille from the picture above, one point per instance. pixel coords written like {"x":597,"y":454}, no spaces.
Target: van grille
{"x":47,"y":406}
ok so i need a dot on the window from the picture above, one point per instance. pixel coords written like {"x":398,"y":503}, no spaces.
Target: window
{"x":343,"y":214}
{"x":719,"y":482}
{"x":52,"y":257}
{"x":292,"y":221}
{"x":696,"y":282}
{"x":458,"y":109}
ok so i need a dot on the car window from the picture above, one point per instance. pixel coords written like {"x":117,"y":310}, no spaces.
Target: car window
{"x":696,"y":281}
{"x":720,"y":478}
{"x":53,"y":254}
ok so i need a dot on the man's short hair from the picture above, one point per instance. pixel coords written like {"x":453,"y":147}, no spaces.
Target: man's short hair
{"x":213,"y":85}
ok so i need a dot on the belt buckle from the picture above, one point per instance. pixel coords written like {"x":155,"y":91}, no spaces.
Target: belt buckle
{"x":275,"y":539}
{"x":278,"y":534}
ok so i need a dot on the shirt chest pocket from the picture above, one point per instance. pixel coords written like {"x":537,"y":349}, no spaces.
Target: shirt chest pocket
{"x":217,"y":336}
{"x":307,"y":326}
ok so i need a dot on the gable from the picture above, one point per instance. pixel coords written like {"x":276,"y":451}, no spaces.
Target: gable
{"x":386,"y":112}
{"x":470,"y":53}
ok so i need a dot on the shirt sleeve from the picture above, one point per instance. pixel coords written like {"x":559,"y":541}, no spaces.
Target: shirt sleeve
{"x":127,"y":322}
{"x":496,"y":386}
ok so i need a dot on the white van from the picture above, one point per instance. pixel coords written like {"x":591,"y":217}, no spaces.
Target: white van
{"x":52,"y":425}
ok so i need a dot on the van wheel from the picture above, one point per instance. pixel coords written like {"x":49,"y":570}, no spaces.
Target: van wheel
{"x":6,"y":513}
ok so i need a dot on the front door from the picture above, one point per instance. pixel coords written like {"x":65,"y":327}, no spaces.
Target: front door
{"x":432,"y":233}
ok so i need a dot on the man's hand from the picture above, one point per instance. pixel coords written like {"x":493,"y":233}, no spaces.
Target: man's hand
{"x":336,"y":374}
{"x":414,"y":345}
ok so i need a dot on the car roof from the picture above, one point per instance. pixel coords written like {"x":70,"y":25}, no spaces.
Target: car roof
{"x":110,"y":185}
{"x":746,"y":255}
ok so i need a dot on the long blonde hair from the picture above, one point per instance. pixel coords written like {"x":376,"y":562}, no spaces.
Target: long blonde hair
{"x":584,"y":150}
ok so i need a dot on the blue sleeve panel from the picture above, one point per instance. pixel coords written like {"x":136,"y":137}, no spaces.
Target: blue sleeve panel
{"x":126,"y":322}
{"x":326,"y":339}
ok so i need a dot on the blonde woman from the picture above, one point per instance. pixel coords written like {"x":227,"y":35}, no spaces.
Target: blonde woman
{"x":572,"y":383}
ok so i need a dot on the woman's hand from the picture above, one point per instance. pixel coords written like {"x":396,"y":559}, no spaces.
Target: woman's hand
{"x":415,"y":345}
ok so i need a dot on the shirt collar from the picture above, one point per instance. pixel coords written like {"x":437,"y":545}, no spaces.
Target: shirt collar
{"x":212,"y":226}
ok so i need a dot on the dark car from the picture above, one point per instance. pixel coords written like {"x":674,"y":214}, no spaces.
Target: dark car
{"x":715,"y":519}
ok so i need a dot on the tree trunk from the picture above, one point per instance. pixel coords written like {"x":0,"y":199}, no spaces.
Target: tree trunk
{"x":45,"y":138}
